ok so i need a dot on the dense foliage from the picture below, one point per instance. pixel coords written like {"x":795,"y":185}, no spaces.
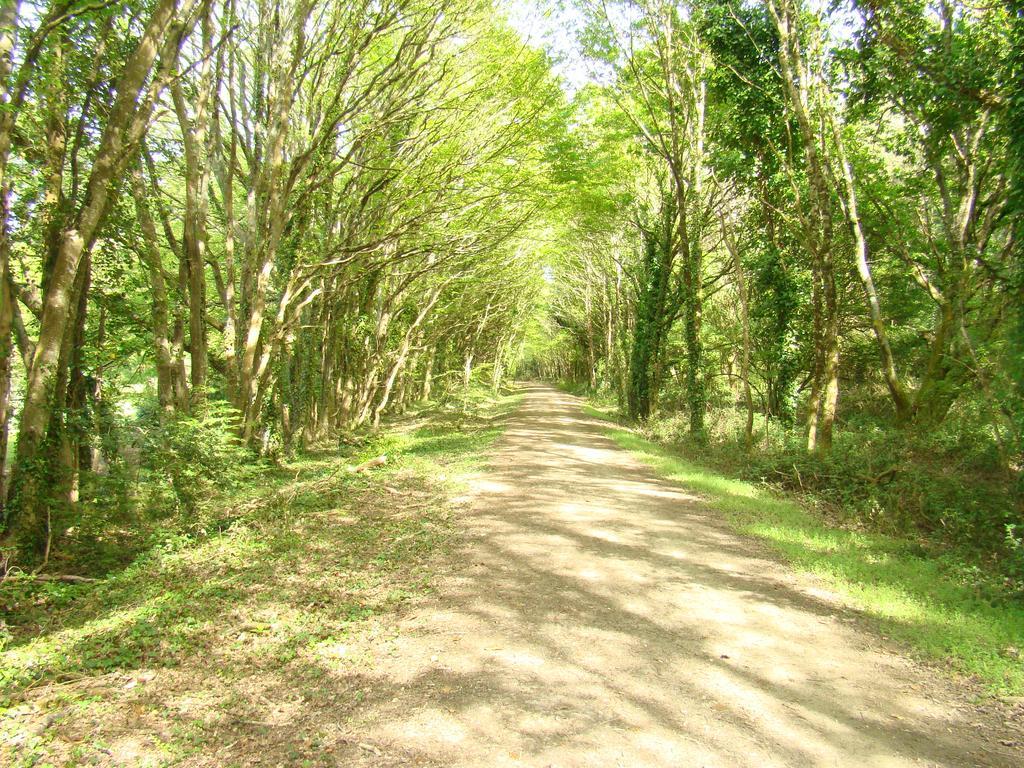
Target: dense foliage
{"x":784,"y":234}
{"x":811,"y":273}
{"x":233,"y":229}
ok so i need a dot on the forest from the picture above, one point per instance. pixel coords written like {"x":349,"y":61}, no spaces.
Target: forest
{"x":795,"y":252}
{"x":237,"y":230}
{"x":261,"y":257}
{"x":784,"y":236}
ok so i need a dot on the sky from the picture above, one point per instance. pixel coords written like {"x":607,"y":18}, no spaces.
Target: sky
{"x":551,"y":25}
{"x":554,"y":26}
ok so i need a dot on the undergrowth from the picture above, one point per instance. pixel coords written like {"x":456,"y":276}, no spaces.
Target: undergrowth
{"x":266,"y":581}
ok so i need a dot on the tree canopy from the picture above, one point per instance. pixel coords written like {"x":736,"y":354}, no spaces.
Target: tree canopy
{"x":232,"y":230}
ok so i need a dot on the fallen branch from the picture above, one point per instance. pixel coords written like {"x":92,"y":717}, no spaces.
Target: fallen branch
{"x":887,"y":476}
{"x":378,"y":461}
{"x":68,"y":578}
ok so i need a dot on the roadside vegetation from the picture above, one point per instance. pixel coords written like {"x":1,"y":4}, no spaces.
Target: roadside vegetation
{"x":265,"y":589}
{"x":936,"y":600}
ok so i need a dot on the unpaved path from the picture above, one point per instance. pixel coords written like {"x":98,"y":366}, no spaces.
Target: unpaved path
{"x":600,"y":616}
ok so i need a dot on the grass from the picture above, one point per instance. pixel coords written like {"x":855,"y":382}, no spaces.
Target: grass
{"x":200,"y":639}
{"x":910,"y":597}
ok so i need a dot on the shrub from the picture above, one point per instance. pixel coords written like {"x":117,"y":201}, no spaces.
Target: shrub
{"x":188,"y":457}
{"x":949,"y":485}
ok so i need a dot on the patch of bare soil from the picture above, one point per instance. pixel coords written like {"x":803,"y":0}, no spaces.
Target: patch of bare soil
{"x":597,"y":615}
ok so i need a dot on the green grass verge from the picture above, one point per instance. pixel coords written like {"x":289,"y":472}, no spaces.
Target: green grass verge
{"x":911,"y":597}
{"x":263,"y":592}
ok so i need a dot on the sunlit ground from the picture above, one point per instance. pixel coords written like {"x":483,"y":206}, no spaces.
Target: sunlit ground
{"x":573,"y":608}
{"x":910,"y":596}
{"x":213,"y":644}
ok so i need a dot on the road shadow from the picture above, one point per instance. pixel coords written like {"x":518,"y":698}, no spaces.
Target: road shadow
{"x":601,"y":615}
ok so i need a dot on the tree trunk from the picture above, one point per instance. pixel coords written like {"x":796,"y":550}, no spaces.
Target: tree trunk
{"x":403,"y":353}
{"x":129,"y":115}
{"x":6,"y":346}
{"x":741,"y":287}
{"x":800,"y":91}
{"x":896,"y":391}
{"x":428,"y":375}
{"x":158,"y":294}
{"x":195,"y":133}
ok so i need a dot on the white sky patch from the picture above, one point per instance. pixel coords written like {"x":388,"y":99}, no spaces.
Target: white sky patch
{"x":542,"y":23}
{"x":555,"y":27}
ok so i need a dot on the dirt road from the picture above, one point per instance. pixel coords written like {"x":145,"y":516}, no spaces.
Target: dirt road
{"x":600,"y":616}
